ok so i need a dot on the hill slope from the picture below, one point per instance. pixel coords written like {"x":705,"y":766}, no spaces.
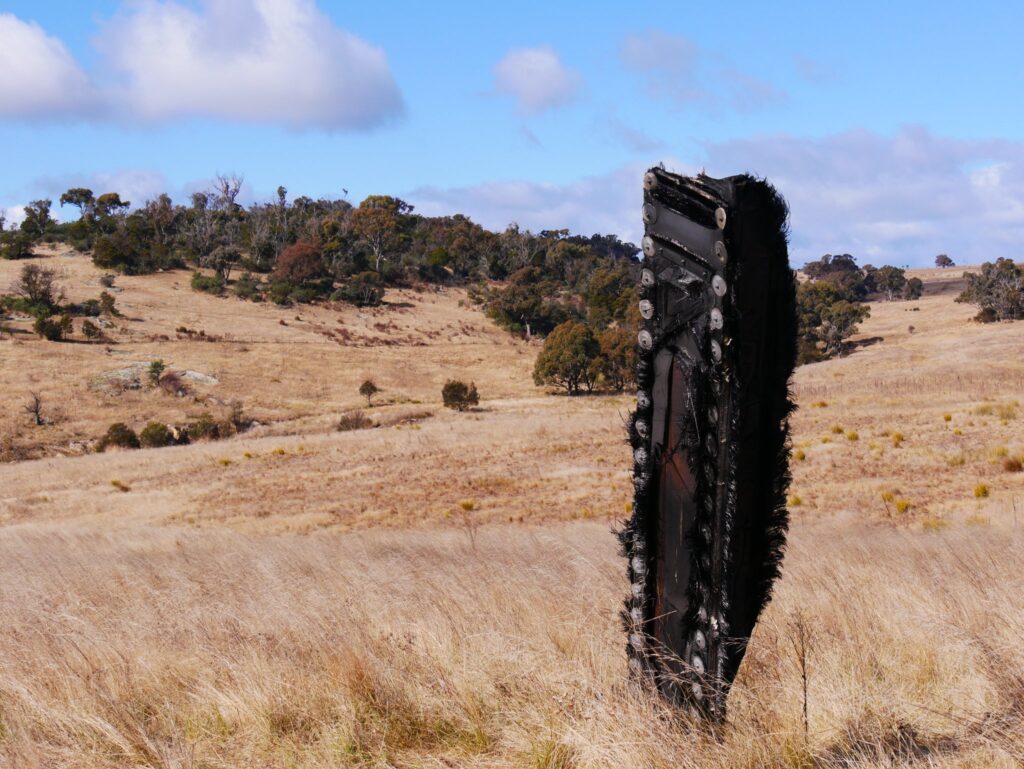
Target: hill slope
{"x":209,"y":616}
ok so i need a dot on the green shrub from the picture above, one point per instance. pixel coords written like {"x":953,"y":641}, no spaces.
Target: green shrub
{"x":53,"y":330}
{"x":206,"y":428}
{"x":210,"y":284}
{"x":368,"y":389}
{"x":247,"y":287}
{"x":119,"y":435}
{"x":107,"y":305}
{"x":156,"y":435}
{"x":362,"y":290}
{"x":155,"y":371}
{"x":458,"y":395}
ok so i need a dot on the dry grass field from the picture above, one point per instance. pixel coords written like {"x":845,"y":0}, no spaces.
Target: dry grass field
{"x":442,"y":590}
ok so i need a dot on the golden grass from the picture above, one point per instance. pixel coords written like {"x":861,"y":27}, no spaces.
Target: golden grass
{"x":485,"y":633}
{"x":164,"y":648}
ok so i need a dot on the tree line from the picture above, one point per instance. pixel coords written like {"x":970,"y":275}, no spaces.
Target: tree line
{"x":304,"y":250}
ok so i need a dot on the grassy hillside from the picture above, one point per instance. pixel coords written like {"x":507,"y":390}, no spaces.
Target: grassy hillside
{"x":211,"y":616}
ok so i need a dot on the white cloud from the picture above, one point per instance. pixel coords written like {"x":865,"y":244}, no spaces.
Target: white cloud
{"x":14,"y":216}
{"x":675,"y":68}
{"x":536,"y":79}
{"x":278,"y":61}
{"x":898,"y":199}
{"x":41,"y":79}
{"x":267,"y":61}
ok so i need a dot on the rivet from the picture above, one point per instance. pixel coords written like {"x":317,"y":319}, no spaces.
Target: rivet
{"x":650,"y":181}
{"x":637,"y":589}
{"x":646,"y":278}
{"x":720,"y":218}
{"x":641,"y":428}
{"x":712,"y":414}
{"x":648,"y":245}
{"x":719,"y":286}
{"x":700,"y":641}
{"x":720,"y":251}
{"x":640,"y":456}
{"x":717,"y":321}
{"x":643,"y":400}
{"x":636,"y":641}
{"x":698,"y":694}
{"x":698,"y":665}
{"x":650,"y":213}
{"x":716,"y":351}
{"x":646,"y":341}
{"x":646,"y":309}
{"x":639,"y":567}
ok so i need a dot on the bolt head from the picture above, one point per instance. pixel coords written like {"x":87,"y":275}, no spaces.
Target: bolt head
{"x":648,"y":245}
{"x":720,"y":250}
{"x":646,"y":278}
{"x":646,"y":309}
{"x":650,"y":214}
{"x":650,"y":181}
{"x":719,"y":286}
{"x":720,"y":218}
{"x":645,"y":340}
{"x":716,"y":320}
{"x":643,"y":400}
{"x":716,"y":350}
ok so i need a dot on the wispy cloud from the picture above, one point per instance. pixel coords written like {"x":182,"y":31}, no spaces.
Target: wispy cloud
{"x":897,"y":199}
{"x":536,"y":79}
{"x":260,"y":61}
{"x":676,"y":69}
{"x":596,"y":204}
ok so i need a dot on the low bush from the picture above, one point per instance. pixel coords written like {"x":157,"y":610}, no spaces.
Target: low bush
{"x":354,"y":420}
{"x":53,"y":330}
{"x":459,"y":396}
{"x":362,"y":290}
{"x":171,"y":383}
{"x":210,"y":284}
{"x":1013,"y":465}
{"x":981,"y":491}
{"x":155,"y":371}
{"x":248,"y":287}
{"x":206,"y":428}
{"x":119,"y":435}
{"x":156,"y":435}
{"x":91,"y":331}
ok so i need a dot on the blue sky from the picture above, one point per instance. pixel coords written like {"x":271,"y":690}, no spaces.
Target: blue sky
{"x":895,"y":130}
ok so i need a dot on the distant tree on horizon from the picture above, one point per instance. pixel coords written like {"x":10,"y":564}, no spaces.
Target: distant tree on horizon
{"x":942,"y":260}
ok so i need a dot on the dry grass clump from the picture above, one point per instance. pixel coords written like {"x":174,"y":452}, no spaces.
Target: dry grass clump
{"x":981,"y":490}
{"x":1013,"y":464}
{"x":174,"y":648}
{"x":354,"y":420}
